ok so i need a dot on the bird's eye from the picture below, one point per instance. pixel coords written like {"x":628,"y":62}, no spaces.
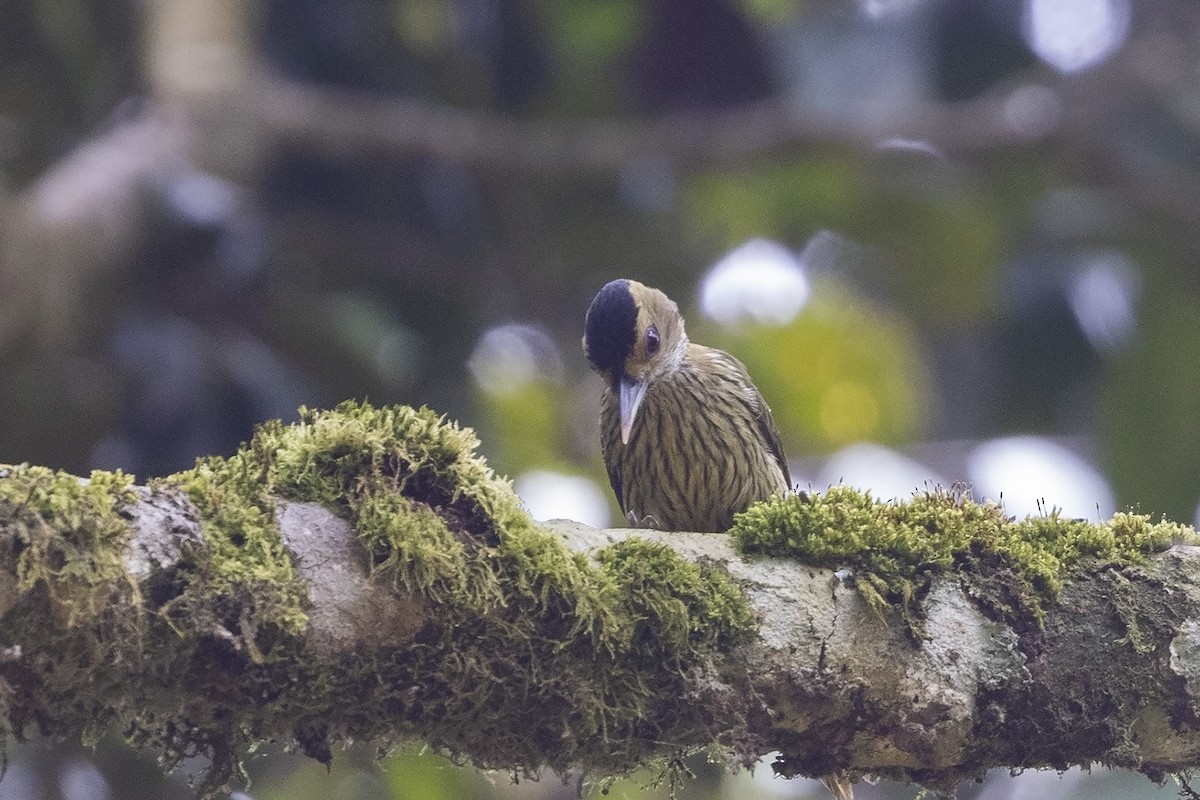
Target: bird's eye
{"x":651,"y":340}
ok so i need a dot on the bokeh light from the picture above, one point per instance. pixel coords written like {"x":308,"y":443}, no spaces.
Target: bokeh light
{"x":21,"y":782}
{"x":82,"y":780}
{"x":884,"y":9}
{"x":553,"y":495}
{"x":761,"y":280}
{"x":1031,"y":475}
{"x":1103,"y":294}
{"x":1074,"y":35}
{"x":507,"y":357}
{"x":1032,"y":110}
{"x":843,"y":371}
{"x":887,"y":474}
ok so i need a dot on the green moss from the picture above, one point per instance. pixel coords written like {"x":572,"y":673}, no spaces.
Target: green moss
{"x":244,"y":558}
{"x":421,"y":501}
{"x":69,"y":536}
{"x":528,"y":655}
{"x":531,"y":655}
{"x":64,"y":539}
{"x":894,"y":548}
{"x":680,"y":604}
{"x":412,"y":545}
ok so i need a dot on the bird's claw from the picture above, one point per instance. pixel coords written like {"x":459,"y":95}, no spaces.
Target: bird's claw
{"x":647,"y":521}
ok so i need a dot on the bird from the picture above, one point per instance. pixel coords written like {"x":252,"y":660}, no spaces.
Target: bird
{"x":687,"y":438}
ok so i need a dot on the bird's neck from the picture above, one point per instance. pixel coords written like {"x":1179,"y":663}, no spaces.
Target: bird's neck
{"x":677,"y":356}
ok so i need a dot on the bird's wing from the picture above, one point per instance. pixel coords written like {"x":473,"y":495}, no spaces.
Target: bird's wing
{"x":766,"y":424}
{"x":758,"y":409}
{"x":610,"y":440}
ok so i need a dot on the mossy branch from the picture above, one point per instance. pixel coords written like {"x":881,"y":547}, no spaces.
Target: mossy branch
{"x":363,"y":575}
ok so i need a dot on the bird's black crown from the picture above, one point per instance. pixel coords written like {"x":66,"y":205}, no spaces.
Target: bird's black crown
{"x":610,"y":327}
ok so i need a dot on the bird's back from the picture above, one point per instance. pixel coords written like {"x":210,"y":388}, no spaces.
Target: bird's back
{"x":704,"y":447}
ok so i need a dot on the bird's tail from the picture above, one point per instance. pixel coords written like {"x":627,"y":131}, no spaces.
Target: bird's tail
{"x":839,"y":785}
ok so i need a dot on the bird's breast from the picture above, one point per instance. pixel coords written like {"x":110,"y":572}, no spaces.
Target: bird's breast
{"x":695,"y":455}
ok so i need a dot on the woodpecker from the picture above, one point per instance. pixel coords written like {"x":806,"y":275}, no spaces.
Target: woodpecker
{"x":688,"y":440}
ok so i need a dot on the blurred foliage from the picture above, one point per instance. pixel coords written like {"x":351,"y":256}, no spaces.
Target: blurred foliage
{"x":406,"y":775}
{"x":786,"y":200}
{"x":526,"y":425}
{"x":844,"y":371}
{"x":939,"y":245}
{"x":946,"y":310}
{"x":64,"y":67}
{"x":591,"y":38}
{"x":1156,"y":382}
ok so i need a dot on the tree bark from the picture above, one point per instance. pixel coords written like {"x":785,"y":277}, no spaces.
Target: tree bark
{"x":1111,"y":676}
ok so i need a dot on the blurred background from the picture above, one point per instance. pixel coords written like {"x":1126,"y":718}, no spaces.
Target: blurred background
{"x":953,"y":240}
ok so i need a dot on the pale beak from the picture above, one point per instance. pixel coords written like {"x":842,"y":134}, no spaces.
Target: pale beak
{"x":630,"y":393}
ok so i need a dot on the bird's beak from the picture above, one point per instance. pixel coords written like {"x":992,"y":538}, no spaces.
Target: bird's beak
{"x":630,"y":393}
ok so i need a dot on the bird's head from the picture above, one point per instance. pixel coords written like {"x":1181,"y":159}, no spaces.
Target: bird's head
{"x":633,"y":335}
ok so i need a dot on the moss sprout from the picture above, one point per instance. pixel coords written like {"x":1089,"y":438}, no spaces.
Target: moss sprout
{"x":243,"y":555}
{"x":64,"y":539}
{"x":69,"y":536}
{"x":894,"y":548}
